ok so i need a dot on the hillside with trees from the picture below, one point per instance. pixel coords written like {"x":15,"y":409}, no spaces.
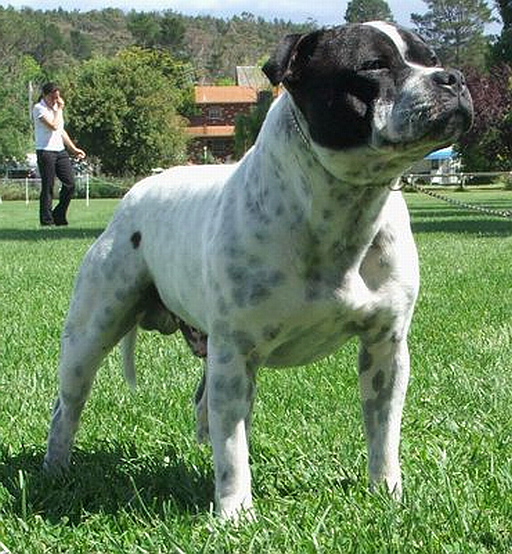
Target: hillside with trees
{"x":58,"y":40}
{"x":129,"y":75}
{"x":121,"y":69}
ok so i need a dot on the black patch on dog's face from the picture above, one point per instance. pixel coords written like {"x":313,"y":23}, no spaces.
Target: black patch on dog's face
{"x":335,"y":77}
{"x":329,"y":79}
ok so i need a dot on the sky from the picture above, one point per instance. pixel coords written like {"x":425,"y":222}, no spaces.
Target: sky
{"x":325,"y":12}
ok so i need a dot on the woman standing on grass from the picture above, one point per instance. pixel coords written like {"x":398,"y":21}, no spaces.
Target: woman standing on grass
{"x":52,"y":157}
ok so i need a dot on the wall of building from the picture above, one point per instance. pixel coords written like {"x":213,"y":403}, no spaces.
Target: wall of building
{"x":219,"y":114}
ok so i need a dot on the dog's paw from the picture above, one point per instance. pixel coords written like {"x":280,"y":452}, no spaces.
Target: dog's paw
{"x":239,"y":515}
{"x":55,"y":471}
{"x":388,"y":487}
{"x":55,"y":468}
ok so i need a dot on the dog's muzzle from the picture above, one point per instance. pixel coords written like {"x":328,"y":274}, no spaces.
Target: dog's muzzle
{"x":455,"y":99}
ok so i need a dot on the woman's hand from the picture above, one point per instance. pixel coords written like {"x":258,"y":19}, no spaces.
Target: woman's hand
{"x":79,"y":154}
{"x":59,"y":101}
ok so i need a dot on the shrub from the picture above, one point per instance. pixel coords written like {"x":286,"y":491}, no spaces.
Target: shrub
{"x":506,"y":182}
{"x":99,"y":187}
{"x":15,"y":189}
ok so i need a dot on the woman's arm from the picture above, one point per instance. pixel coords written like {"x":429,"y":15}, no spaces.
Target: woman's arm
{"x":55,"y":122}
{"x":77,"y":152}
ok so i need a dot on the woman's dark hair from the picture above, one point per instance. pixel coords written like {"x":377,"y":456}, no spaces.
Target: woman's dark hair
{"x":48,"y":88}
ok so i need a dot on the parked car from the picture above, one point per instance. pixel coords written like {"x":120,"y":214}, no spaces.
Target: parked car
{"x":21,"y":173}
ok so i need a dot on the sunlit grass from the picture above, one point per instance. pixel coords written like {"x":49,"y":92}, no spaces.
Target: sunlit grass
{"x":139,"y":483}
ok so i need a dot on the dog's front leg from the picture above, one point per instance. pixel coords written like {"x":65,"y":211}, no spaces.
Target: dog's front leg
{"x":230,"y":387}
{"x":383,"y":378}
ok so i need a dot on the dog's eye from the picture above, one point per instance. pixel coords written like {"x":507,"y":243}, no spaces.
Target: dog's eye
{"x":374,"y":65}
{"x":434,"y":61}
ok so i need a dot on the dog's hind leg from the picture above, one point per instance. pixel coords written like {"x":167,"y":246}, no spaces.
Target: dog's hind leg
{"x":201,"y":401}
{"x":80,"y":358}
{"x":104,"y":307}
{"x":383,"y":378}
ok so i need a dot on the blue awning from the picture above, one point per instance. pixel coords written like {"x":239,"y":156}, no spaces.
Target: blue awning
{"x":443,"y":154}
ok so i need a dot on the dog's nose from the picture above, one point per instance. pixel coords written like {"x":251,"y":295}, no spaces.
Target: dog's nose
{"x":451,"y":79}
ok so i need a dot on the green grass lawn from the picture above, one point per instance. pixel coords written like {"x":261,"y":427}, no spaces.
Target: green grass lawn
{"x":140,"y":484}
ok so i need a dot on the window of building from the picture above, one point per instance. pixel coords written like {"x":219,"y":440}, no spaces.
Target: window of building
{"x":220,"y":148}
{"x":214,"y":113}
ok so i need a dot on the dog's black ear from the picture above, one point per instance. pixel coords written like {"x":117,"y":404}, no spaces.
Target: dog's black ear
{"x":290,"y":56}
{"x":277,"y":64}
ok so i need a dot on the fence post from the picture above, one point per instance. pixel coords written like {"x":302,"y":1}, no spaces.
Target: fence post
{"x":87,"y":189}
{"x":26,"y":191}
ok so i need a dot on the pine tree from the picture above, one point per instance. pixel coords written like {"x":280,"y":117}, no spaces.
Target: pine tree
{"x":502,"y":50}
{"x":455,"y":29}
{"x":359,"y":11}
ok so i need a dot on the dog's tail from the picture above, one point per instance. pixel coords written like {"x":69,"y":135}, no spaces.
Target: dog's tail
{"x":127,"y":353}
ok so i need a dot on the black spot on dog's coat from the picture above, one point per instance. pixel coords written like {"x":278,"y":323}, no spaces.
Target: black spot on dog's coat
{"x":135,"y":239}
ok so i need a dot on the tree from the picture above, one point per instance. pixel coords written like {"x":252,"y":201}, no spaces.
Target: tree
{"x":60,"y":39}
{"x":488,"y":144}
{"x":17,"y":36}
{"x":16,"y":137}
{"x":145,"y":28}
{"x":455,"y":29}
{"x":502,"y":50}
{"x":505,"y":9}
{"x":81,"y":45}
{"x":16,"y":71}
{"x":53,"y":41}
{"x":124,"y":111}
{"x":359,"y":11}
{"x":172,"y":33}
{"x":248,"y":126}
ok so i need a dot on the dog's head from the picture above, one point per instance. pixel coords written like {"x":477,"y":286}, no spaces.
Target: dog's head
{"x":372,"y":85}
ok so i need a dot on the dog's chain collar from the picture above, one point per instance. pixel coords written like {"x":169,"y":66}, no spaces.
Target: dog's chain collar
{"x":398,"y":184}
{"x":297,"y":126}
{"x":300,"y":131}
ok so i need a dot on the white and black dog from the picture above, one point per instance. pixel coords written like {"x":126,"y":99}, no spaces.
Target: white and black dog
{"x":278,"y":260}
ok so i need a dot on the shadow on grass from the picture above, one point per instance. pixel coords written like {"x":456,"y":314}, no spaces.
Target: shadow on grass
{"x":106,"y":481}
{"x":49,"y":233}
{"x":450,"y":214}
{"x":439,"y":217}
{"x":488,"y":228}
{"x":438,"y":221}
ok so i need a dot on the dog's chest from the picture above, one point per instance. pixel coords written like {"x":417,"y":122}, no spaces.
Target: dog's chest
{"x":304,"y":340}
{"x":300,"y":251}
{"x":298,"y":294}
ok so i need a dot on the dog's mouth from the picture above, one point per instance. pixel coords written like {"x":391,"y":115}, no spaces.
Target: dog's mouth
{"x":454,"y":123}
{"x":431,"y":125}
